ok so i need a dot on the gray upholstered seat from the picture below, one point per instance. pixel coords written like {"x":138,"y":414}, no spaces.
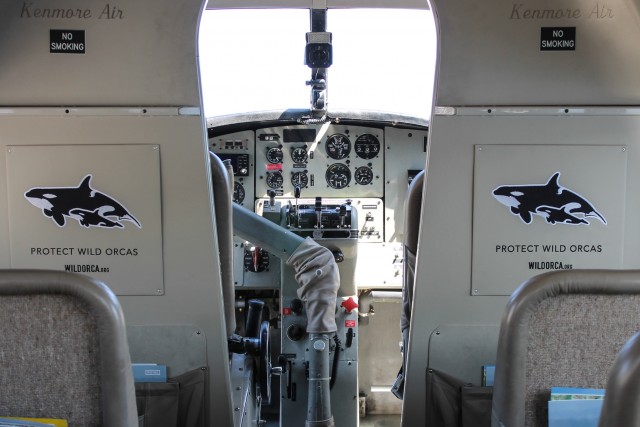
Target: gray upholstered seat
{"x":63,"y":350}
{"x":622,"y":399}
{"x":561,"y":329}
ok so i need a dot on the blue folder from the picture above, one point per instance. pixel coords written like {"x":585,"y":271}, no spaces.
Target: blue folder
{"x":575,"y":413}
{"x":488,"y":374}
{"x":149,"y":373}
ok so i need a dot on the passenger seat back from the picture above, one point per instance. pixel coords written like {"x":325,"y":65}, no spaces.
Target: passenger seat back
{"x":561,"y":329}
{"x":621,"y":406}
{"x":63,"y":350}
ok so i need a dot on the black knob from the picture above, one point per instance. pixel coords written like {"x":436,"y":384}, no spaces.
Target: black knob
{"x":350,"y":336}
{"x":297,"y":306}
{"x":282,"y":362}
{"x":254,"y":317}
{"x":295,"y":332}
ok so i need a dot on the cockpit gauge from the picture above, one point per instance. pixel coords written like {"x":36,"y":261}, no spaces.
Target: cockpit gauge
{"x":238,"y":192}
{"x":299,"y":155}
{"x":367,"y":146}
{"x":274,"y":155}
{"x":338,"y":146}
{"x":363,"y":175}
{"x":274,"y":179}
{"x":300,"y":179}
{"x":338,"y":176}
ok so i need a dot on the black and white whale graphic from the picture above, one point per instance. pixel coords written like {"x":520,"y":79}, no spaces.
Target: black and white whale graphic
{"x":88,"y":206}
{"x":551,"y":201}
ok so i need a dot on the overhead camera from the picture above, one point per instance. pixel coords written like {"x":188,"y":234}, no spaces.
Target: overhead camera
{"x":318,"y":52}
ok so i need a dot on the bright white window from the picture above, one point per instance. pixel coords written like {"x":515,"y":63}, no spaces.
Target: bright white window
{"x":253,"y":60}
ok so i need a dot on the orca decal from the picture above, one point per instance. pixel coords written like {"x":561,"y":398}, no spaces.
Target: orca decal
{"x":88,"y":206}
{"x":551,"y":201}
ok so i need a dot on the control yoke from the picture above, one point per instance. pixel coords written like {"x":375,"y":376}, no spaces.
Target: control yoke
{"x":316,"y":273}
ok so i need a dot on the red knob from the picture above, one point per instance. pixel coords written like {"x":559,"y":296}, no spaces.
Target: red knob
{"x":349,"y":305}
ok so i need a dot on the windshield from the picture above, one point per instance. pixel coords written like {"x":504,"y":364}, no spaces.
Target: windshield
{"x":253,"y":60}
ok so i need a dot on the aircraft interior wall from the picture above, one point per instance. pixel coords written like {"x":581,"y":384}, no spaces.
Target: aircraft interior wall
{"x":509,"y":115}
{"x":531,"y":98}
{"x":103,"y":99}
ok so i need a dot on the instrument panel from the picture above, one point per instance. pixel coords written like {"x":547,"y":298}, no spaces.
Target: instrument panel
{"x":367,"y":167}
{"x":319,"y":161}
{"x":239,"y":147}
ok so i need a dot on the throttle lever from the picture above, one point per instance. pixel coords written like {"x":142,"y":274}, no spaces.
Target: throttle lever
{"x":319,"y":212}
{"x":296,"y":193}
{"x":272,"y":198}
{"x":343,"y":214}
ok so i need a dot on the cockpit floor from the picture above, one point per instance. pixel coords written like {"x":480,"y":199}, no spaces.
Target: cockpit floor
{"x":390,"y":420}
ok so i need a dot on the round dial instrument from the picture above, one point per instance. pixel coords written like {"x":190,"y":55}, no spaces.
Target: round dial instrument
{"x":274,"y":155}
{"x":363,"y":175}
{"x":338,"y":176}
{"x":367,"y":146}
{"x":238,"y":192}
{"x":300,"y":178}
{"x":299,"y":155}
{"x":274,"y":179}
{"x":338,"y":146}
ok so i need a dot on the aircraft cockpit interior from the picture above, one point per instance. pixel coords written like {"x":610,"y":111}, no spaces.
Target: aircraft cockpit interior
{"x":338,"y":177}
{"x":260,"y":213}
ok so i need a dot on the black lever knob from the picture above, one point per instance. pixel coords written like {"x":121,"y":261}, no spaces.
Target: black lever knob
{"x":319,"y":212}
{"x":272,"y":197}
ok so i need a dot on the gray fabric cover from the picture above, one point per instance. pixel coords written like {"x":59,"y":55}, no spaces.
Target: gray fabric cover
{"x":476,"y":406}
{"x":222,"y":197}
{"x":63,"y":350}
{"x":158,"y":404}
{"x":443,"y":399}
{"x":180,"y":402}
{"x":561,"y":329}
{"x":621,"y":406}
{"x":452,"y":403}
{"x":49,"y":357}
{"x":412,"y":211}
{"x":317,"y":275}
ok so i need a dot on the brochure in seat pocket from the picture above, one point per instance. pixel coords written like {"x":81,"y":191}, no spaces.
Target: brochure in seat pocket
{"x":575,"y":407}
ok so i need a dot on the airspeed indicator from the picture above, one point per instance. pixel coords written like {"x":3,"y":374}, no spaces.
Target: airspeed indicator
{"x":274,"y":155}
